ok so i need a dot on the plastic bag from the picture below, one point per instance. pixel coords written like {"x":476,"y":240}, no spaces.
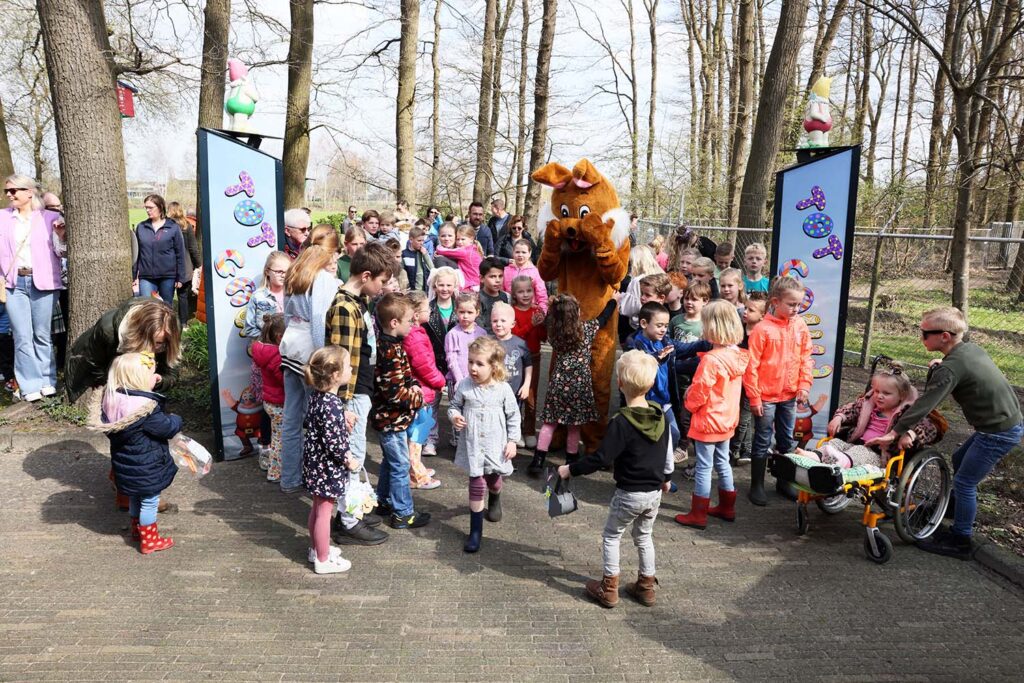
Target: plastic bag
{"x":189,"y":454}
{"x":360,"y":497}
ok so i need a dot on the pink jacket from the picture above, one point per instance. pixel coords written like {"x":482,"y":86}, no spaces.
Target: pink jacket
{"x":540,"y":290}
{"x":43,"y":246}
{"x":469,"y":259}
{"x":424,"y":368}
{"x":268,"y":359}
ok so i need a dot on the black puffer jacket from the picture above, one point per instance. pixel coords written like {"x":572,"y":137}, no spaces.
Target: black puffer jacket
{"x":138,"y":430}
{"x":436,"y":330}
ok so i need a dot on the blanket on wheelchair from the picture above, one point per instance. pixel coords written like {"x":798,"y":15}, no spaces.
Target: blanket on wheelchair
{"x":818,"y":478}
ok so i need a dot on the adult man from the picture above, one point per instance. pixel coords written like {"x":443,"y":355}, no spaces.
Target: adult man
{"x":499,"y":219}
{"x":484,"y":236}
{"x":350,"y":219}
{"x":296,"y":229}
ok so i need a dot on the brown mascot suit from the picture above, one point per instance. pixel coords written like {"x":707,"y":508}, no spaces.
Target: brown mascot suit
{"x":586,"y":248}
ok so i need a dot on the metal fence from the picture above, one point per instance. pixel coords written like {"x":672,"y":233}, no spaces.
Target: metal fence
{"x":886,"y":303}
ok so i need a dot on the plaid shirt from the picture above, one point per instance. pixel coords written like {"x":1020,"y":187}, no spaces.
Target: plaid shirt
{"x":345,"y":328}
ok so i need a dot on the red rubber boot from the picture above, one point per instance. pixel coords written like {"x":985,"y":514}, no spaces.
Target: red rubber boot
{"x":726,"y":508}
{"x":697,"y":517}
{"x":151,"y":540}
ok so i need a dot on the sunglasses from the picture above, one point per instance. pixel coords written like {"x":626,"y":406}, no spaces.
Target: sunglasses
{"x":927,"y":333}
{"x":14,"y":190}
{"x":302,"y":230}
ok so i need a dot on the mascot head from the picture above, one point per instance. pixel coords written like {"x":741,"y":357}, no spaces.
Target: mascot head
{"x":578,"y":193}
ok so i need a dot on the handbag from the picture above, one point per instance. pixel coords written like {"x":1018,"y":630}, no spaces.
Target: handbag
{"x":360,"y":497}
{"x":14,"y":266}
{"x":558,"y":493}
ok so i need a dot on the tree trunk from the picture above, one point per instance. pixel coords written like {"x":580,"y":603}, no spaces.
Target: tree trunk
{"x":960,"y":248}
{"x":435,"y":97}
{"x":651,"y":188}
{"x":499,"y":55}
{"x":296,"y":123}
{"x":216,"y":25}
{"x":6,"y":163}
{"x":634,"y":153}
{"x":864,"y":88}
{"x":540,"y":106}
{"x":744,"y":104}
{"x":779,"y":74}
{"x":915,"y":68}
{"x":934,"y":167}
{"x":405,"y":149}
{"x":91,"y":153}
{"x":482,"y":179}
{"x":524,"y":60}
{"x":824,"y":39}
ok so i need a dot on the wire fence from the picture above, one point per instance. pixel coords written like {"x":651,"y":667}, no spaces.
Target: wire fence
{"x":911,"y":279}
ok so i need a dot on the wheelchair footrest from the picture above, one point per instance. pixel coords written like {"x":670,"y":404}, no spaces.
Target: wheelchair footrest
{"x":808,"y":474}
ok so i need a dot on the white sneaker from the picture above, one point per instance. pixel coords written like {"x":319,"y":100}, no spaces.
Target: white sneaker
{"x":264,"y":458}
{"x":430,"y":449}
{"x":679,"y":455}
{"x":33,"y":397}
{"x":47,"y":391}
{"x":430,"y":485}
{"x":531,"y":442}
{"x":333,"y":565}
{"x":335,"y":551}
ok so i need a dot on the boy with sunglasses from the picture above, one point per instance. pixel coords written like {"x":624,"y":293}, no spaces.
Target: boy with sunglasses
{"x":989,"y":404}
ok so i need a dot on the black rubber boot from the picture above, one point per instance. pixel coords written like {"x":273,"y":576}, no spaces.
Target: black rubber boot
{"x":757,"y":495}
{"x":537,"y":464}
{"x":493,"y":506}
{"x":476,"y":532}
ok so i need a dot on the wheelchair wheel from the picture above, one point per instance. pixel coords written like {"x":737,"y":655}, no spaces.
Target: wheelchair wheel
{"x":802,"y":520}
{"x":922,"y":496}
{"x":877,"y":546}
{"x":833,"y":505}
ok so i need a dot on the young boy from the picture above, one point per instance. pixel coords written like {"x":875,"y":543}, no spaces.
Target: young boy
{"x":686,"y":326}
{"x":492,"y":273}
{"x":754,"y":258}
{"x":989,"y":404}
{"x":724,"y":255}
{"x":518,"y":359}
{"x":387,"y":228}
{"x":638,"y":447}
{"x":349,"y":326}
{"x":655,"y":287}
{"x":674,"y":301}
{"x":686,"y":259}
{"x":416,"y":260}
{"x":703,"y":270}
{"x":396,"y":398}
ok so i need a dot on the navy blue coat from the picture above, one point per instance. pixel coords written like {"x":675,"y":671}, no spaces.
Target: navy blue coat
{"x":161,"y":252}
{"x":139,"y":453}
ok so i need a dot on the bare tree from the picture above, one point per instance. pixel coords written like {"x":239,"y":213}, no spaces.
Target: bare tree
{"x":540,"y":105}
{"x":216,"y":24}
{"x":744,"y":105}
{"x":405,"y":149}
{"x":652,"y":26}
{"x":825,"y":37}
{"x":296,"y":124}
{"x":482,"y":178}
{"x":435,"y":99}
{"x":524,"y":60}
{"x":6,"y":164}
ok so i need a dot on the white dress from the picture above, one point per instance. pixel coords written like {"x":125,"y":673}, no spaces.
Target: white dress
{"x":492,"y":420}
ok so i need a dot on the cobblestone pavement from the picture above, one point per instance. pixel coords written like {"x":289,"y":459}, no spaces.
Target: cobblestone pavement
{"x":235,"y":600}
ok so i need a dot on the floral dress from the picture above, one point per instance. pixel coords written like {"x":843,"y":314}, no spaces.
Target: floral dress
{"x":325,"y":446}
{"x":570,"y":397}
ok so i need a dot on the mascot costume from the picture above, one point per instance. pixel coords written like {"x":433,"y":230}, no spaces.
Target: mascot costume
{"x":586,"y":249}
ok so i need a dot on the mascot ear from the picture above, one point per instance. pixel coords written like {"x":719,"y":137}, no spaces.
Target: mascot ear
{"x":553,"y":175}
{"x":585,"y":175}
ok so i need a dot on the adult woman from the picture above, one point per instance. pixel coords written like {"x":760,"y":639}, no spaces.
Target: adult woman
{"x":309,"y":289}
{"x":506,"y":241}
{"x":160,"y":267}
{"x":31,"y":245}
{"x":683,"y":238}
{"x":193,"y":259}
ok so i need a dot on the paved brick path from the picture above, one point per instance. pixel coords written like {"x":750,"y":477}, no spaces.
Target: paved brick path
{"x":234,"y":600}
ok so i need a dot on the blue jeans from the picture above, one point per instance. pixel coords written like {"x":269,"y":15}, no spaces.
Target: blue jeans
{"x":31,"y":314}
{"x":393,"y":482}
{"x":782,"y":418}
{"x":144,"y":508}
{"x":360,"y":405}
{"x":164,"y":287}
{"x":711,"y":455}
{"x":296,"y":398}
{"x":971,"y":464}
{"x":673,"y":426}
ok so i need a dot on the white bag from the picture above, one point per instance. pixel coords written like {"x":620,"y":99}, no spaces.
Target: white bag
{"x":190,"y":455}
{"x":360,"y":497}
{"x":297,"y":342}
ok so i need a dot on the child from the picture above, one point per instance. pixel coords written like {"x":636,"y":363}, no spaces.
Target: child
{"x":687,"y":326}
{"x":570,"y":396}
{"x":444,"y":282}
{"x":638,"y":447}
{"x":396,"y":398}
{"x":655,"y":288}
{"x":266,"y":355}
{"x":724,"y":255}
{"x":739,"y":449}
{"x":418,"y":347}
{"x":713,"y":400}
{"x":658,"y":247}
{"x":446,"y":239}
{"x":779,"y":373}
{"x":530,"y":328}
{"x":685,"y":261}
{"x":458,"y":339}
{"x":491,"y":274}
{"x":133,"y":418}
{"x":521,"y":265}
{"x":416,"y":261}
{"x":325,"y":453}
{"x":989,"y":404}
{"x":399,"y":281}
{"x":467,"y":255}
{"x":518,"y":359}
{"x":355,"y":239}
{"x":641,"y":264}
{"x":349,"y":326}
{"x":730,"y":288}
{"x":485,"y":414}
{"x":754,"y":258}
{"x":703,"y":270}
{"x":674,"y":301}
{"x":388,"y":231}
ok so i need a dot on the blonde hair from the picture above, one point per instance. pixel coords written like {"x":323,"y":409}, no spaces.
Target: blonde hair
{"x":721,"y":323}
{"x":306,"y":267}
{"x":657,"y":243}
{"x":703,"y":263}
{"x":502,"y":306}
{"x":417,"y":298}
{"x":899,"y":379}
{"x":131,"y":371}
{"x":468,"y":297}
{"x":948,"y":318}
{"x":782,"y":284}
{"x":737,"y":274}
{"x":494,"y":352}
{"x":24,"y":181}
{"x":176,"y":212}
{"x":141,"y":322}
{"x":642,"y":262}
{"x":325,"y":235}
{"x":468,"y":230}
{"x":756,"y":248}
{"x":271,"y":257}
{"x":444,"y":271}
{"x":637,"y":371}
{"x":323,"y":364}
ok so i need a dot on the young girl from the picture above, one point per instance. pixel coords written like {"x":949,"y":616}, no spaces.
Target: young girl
{"x":641,"y":263}
{"x":446,"y":239}
{"x":778,"y":374}
{"x":325,"y":461}
{"x":485,"y":415}
{"x":713,"y":400}
{"x":522,"y":266}
{"x":570,"y":396}
{"x":443,"y":283}
{"x":133,"y":418}
{"x":355,"y":239}
{"x":266,"y":355}
{"x":530,"y":328}
{"x":658,"y":247}
{"x":674,"y":300}
{"x":730,"y":288}
{"x":424,"y":370}
{"x":467,"y":254}
{"x":458,"y":339}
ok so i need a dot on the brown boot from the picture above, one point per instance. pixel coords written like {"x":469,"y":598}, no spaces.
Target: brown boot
{"x":605,"y":591}
{"x":643,"y":589}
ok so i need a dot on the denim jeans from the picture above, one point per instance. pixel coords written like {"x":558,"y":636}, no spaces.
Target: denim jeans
{"x":393,"y":482}
{"x":296,"y":398}
{"x":740,"y":444}
{"x":781,"y":417}
{"x":360,"y":405}
{"x":636,"y":508}
{"x":971,"y":464}
{"x":670,"y":417}
{"x":144,"y":508}
{"x":31,"y":314}
{"x":711,"y":455}
{"x":164,"y":287}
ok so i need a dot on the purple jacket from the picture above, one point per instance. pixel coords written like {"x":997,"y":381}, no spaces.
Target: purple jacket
{"x":41,"y":241}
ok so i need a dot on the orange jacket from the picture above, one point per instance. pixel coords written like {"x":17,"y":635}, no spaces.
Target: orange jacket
{"x":780,"y":360}
{"x":713,"y":398}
